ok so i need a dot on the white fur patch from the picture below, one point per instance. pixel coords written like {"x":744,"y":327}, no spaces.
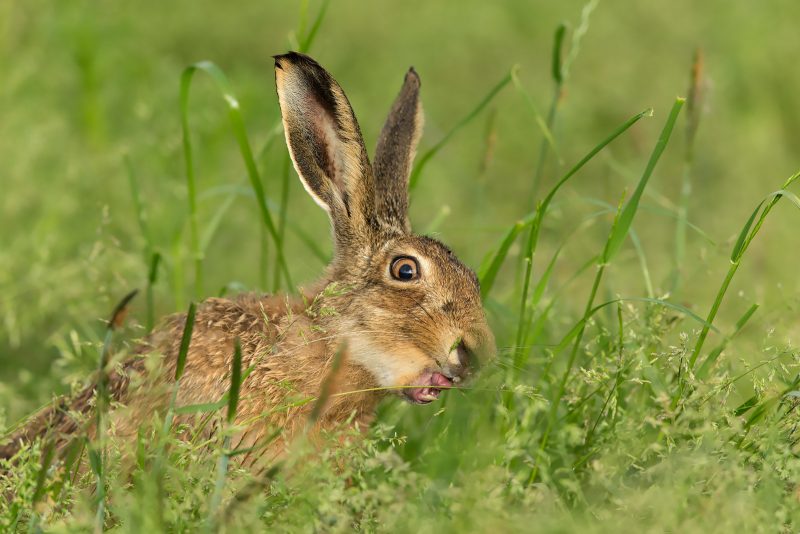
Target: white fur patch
{"x":390,"y":368}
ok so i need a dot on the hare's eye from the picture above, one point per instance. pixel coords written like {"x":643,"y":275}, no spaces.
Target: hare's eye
{"x":404,"y":269}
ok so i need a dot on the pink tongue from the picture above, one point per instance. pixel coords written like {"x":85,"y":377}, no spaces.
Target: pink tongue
{"x":438,"y":380}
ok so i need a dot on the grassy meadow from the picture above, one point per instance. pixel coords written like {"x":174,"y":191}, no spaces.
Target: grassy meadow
{"x":620,"y":175}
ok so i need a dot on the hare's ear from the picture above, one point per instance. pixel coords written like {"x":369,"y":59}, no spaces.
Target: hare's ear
{"x":395,"y":152}
{"x":325,"y":144}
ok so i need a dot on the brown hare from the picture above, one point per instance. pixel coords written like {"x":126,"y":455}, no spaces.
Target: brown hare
{"x":397,"y":312}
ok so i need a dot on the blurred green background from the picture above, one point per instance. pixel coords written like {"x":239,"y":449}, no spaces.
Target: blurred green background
{"x":89,"y":97}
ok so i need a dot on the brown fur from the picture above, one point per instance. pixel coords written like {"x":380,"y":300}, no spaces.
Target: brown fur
{"x":387,"y":333}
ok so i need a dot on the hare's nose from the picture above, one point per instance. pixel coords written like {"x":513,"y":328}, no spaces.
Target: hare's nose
{"x":458,"y":361}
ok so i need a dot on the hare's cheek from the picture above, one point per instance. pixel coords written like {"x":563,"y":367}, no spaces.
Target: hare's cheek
{"x":402,"y":368}
{"x":390,"y":366}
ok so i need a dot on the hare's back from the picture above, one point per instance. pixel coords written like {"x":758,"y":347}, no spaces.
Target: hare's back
{"x":251,"y":318}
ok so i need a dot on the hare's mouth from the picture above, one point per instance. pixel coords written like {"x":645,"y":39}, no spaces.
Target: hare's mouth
{"x":430,"y":386}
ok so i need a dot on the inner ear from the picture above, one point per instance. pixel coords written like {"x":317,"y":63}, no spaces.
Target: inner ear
{"x":325,"y":154}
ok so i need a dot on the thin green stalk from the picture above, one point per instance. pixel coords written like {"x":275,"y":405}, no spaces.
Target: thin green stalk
{"x":46,"y":456}
{"x":712,"y":314}
{"x":543,"y":146}
{"x":571,"y":335}
{"x":151,"y":257}
{"x":302,"y":20}
{"x":282,"y":215}
{"x":326,"y":389}
{"x":617,"y":379}
{"x":224,"y":458}
{"x":152,"y":277}
{"x":693,"y":110}
{"x":426,"y":157}
{"x":263,"y":258}
{"x":180,"y":365}
{"x":240,"y":133}
{"x":703,"y":370}
{"x":551,"y":419}
{"x":305,"y":44}
{"x":557,"y":73}
{"x":177,"y":271}
{"x":619,"y":231}
{"x":746,"y":236}
{"x":191,"y":185}
{"x":492,"y":263}
{"x":138,"y":206}
{"x":538,"y":325}
{"x":559,"y":68}
{"x":438,"y":219}
{"x":97,"y":448}
{"x":540,"y":212}
{"x":543,"y":125}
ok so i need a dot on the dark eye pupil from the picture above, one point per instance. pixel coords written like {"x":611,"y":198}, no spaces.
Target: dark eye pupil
{"x":406,"y":271}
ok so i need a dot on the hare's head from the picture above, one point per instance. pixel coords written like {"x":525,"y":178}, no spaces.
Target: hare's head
{"x":412,"y":313}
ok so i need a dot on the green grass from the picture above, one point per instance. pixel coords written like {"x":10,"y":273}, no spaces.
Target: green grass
{"x":645,"y":306}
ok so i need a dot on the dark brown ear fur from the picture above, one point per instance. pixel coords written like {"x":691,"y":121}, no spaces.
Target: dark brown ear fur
{"x":326,"y":146}
{"x":395,"y":152}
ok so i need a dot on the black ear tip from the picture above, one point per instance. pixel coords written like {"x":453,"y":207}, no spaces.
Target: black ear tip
{"x":412,"y":76}
{"x":290,"y":57}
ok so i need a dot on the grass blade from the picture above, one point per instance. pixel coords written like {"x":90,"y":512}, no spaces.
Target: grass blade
{"x":577,"y":37}
{"x":694,"y":103}
{"x":540,"y":122}
{"x":541,"y":211}
{"x":488,"y":274}
{"x":305,"y":44}
{"x":739,"y":246}
{"x":47,"y":455}
{"x":240,"y":133}
{"x":191,"y":185}
{"x":141,"y":214}
{"x":556,"y":63}
{"x":544,"y":280}
{"x":186,"y":339}
{"x":236,"y":381}
{"x":746,"y":236}
{"x":97,"y":448}
{"x":282,"y":215}
{"x":224,"y":458}
{"x":152,"y":277}
{"x":714,"y":355}
{"x":626,"y":218}
{"x":438,"y":219}
{"x":206,"y":407}
{"x":618,"y":231}
{"x":559,"y":67}
{"x":326,"y":388}
{"x":557,"y":73}
{"x":425,"y":158}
